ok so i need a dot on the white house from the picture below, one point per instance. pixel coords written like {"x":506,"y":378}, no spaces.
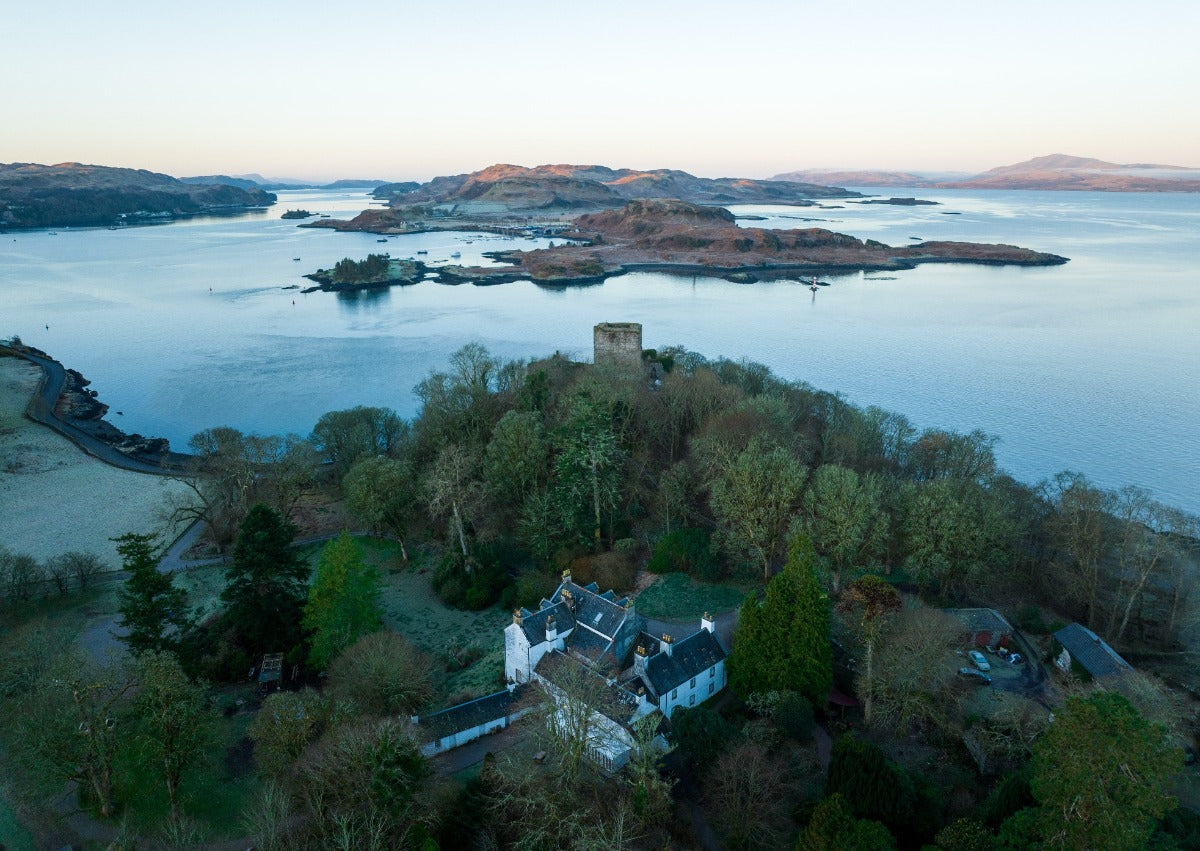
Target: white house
{"x":681,"y":673}
{"x":579,"y":628}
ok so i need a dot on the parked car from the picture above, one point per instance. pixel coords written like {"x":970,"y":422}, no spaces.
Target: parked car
{"x":978,"y":676}
{"x":980,"y":662}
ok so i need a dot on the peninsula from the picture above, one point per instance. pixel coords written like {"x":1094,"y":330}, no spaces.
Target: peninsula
{"x":77,"y":195}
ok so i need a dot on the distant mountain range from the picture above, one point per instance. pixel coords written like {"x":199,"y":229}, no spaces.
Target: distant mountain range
{"x":257,"y":181}
{"x":503,"y":188}
{"x":1056,"y":171}
{"x":72,"y":194}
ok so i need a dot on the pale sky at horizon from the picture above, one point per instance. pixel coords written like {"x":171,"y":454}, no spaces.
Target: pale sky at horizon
{"x":401,"y":90}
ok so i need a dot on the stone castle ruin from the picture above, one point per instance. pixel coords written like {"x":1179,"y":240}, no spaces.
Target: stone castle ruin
{"x":618,"y":343}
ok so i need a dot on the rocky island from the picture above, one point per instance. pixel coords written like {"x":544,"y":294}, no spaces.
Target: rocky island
{"x":675,"y":236}
{"x":377,"y":270}
{"x":76,"y":195}
{"x":297,"y":214}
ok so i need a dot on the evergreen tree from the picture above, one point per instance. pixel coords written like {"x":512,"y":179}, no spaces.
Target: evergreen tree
{"x":782,"y":643}
{"x":265,"y":583}
{"x":1099,"y":775}
{"x":153,"y":611}
{"x":343,"y":602}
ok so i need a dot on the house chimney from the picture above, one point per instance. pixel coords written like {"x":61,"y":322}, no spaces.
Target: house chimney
{"x":551,"y":628}
{"x":665,"y":645}
{"x":517,"y":616}
{"x":639,"y":660}
{"x":566,"y":575}
{"x":707,"y":622}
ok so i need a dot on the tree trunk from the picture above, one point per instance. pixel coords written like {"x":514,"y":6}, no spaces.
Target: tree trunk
{"x":458,"y":525}
{"x":596,"y":503}
{"x":867,"y":698}
{"x":172,"y":778}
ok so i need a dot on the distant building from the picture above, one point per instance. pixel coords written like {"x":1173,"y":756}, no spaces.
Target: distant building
{"x":1077,"y":643}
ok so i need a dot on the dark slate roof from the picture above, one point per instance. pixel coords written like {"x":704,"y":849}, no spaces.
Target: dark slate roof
{"x":688,"y":658}
{"x":592,"y":610}
{"x":981,"y":620}
{"x":468,"y":715}
{"x":534,"y":625}
{"x":1091,"y":651}
{"x":588,"y":644}
{"x":648,"y":642}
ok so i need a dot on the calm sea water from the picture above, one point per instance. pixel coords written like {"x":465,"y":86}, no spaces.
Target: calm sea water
{"x":1090,"y":366}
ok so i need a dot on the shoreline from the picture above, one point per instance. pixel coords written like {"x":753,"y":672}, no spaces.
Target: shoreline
{"x":94,"y":435}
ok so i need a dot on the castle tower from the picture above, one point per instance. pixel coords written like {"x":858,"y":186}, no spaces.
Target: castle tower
{"x":618,"y":343}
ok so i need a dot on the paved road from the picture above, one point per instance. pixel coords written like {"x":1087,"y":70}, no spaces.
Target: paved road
{"x":41,"y":409}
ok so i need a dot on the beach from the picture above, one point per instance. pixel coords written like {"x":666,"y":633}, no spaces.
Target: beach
{"x":57,"y":498}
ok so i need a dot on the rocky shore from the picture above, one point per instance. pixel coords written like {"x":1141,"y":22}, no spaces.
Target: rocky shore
{"x":64,"y":403}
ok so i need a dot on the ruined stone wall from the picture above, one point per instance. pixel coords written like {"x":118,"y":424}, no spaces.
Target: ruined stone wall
{"x":618,"y":343}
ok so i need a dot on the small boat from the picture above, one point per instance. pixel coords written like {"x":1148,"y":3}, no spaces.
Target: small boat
{"x":381,"y":240}
{"x":422,"y":252}
{"x":456,"y":255}
{"x":297,"y":259}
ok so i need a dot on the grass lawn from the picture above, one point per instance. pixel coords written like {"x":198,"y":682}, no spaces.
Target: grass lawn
{"x":413,"y":609}
{"x":677,"y":596}
{"x":214,"y":794}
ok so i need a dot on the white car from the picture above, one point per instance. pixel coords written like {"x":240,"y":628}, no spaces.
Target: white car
{"x":980,"y":662}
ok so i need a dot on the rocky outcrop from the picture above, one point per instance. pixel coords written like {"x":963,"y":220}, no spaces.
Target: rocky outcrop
{"x":678,"y":237}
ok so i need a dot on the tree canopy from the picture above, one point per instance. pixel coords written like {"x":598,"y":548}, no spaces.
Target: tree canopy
{"x":1098,"y":775}
{"x":265,"y":584}
{"x":782,"y":643}
{"x":343,"y":601}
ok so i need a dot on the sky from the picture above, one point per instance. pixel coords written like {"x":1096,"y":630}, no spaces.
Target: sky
{"x":402,"y":90}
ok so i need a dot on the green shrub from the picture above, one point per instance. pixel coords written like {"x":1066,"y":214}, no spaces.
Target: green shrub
{"x":1029,"y":618}
{"x":686,"y":551}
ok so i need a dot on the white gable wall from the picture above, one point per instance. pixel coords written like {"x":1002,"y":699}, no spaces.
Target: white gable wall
{"x":708,"y":683}
{"x":520,"y":657}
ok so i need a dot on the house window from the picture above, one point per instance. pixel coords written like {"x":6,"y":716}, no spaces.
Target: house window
{"x":710,"y":688}
{"x":712,"y":672}
{"x":693,"y":682}
{"x":692,"y":700}
{"x":674,"y":693}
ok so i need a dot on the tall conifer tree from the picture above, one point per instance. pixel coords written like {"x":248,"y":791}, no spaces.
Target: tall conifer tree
{"x":782,"y":643}
{"x":265,"y":583}
{"x":153,"y":611}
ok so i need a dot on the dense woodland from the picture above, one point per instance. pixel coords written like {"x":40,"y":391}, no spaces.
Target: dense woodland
{"x":850,"y":528}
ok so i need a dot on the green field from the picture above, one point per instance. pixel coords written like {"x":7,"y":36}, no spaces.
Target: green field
{"x":677,"y":596}
{"x":413,"y":609}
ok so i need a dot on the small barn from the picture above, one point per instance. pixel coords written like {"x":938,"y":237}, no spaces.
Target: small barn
{"x":1078,"y":645}
{"x":983,"y":627}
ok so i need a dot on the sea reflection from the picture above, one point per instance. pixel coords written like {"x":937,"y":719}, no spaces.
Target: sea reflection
{"x":371,"y":300}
